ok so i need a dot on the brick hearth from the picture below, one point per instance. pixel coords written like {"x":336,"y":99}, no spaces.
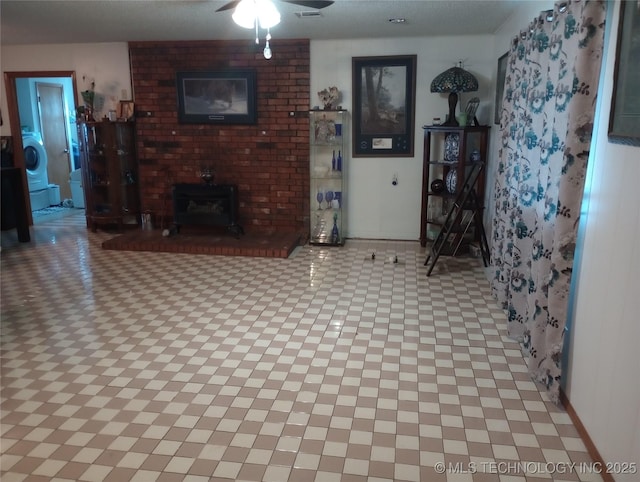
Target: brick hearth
{"x":211,"y":242}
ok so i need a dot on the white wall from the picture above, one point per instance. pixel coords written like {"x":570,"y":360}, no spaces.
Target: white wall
{"x":603,"y":377}
{"x":376,"y":208}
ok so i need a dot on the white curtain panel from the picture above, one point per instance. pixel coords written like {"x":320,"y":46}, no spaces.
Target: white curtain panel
{"x":546,"y":125}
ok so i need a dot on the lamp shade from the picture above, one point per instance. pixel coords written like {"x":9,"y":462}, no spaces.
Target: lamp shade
{"x":456,"y":79}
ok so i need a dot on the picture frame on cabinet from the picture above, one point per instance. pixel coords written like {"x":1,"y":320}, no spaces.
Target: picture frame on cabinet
{"x":471,"y":109}
{"x":624,"y":119}
{"x":217,"y":97}
{"x":500,"y":79}
{"x":384,"y":106}
{"x":126,"y":110}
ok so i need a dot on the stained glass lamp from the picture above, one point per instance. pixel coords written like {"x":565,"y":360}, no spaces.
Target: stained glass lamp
{"x":454,"y":80}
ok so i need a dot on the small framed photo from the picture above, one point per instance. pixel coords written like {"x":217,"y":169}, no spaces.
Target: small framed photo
{"x":126,"y":110}
{"x":472,"y":108}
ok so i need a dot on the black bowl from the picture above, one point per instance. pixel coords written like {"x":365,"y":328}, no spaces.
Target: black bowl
{"x":437,"y":186}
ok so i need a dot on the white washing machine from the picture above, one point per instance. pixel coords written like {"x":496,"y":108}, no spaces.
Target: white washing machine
{"x":35,"y":160}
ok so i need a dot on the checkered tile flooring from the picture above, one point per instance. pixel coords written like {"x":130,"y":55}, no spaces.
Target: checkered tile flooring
{"x":326,"y":366}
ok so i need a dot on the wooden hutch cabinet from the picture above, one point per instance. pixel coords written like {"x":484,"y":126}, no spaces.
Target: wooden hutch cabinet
{"x":110,"y":173}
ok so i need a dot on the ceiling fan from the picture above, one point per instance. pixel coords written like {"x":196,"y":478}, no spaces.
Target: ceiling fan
{"x":317,"y":4}
{"x":264,"y":14}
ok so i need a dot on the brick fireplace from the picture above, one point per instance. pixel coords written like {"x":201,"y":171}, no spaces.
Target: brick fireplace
{"x":268,"y":162}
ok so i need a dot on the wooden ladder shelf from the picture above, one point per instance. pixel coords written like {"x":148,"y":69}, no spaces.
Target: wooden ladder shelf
{"x":463,"y":213}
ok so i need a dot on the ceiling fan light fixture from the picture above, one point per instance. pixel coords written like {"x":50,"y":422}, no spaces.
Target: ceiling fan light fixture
{"x":248,"y":12}
{"x":245,"y":14}
{"x":268,"y":14}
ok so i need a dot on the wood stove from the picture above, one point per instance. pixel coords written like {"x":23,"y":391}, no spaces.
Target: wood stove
{"x":206,"y":204}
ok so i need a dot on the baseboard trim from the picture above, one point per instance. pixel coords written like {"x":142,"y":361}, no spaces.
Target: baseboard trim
{"x":584,"y":435}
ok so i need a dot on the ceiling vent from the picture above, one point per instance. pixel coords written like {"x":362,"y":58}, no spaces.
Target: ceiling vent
{"x":309,"y":13}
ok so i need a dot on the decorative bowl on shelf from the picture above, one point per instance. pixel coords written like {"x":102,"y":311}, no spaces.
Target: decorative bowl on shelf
{"x":451,"y":181}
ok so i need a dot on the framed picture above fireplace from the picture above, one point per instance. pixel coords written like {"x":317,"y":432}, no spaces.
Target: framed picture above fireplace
{"x":217,"y":97}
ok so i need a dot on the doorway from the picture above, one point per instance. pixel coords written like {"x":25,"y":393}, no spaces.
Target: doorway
{"x":58,"y":117}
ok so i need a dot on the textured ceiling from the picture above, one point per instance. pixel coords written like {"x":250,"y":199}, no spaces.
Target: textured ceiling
{"x":82,"y":21}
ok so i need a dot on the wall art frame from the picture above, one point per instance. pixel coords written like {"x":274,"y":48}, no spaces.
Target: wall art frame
{"x":217,"y":97}
{"x":384,"y":90}
{"x":624,"y":119}
{"x":126,"y":110}
{"x":471,"y":110}
{"x":500,"y":78}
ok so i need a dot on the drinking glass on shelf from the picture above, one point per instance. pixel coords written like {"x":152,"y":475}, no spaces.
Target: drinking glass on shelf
{"x":319,"y":198}
{"x":328,"y":197}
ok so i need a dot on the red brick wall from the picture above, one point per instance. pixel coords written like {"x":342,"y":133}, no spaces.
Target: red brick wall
{"x":269,"y":161}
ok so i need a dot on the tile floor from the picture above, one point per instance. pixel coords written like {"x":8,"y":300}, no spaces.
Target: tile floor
{"x":53,"y":213}
{"x":326,"y":366}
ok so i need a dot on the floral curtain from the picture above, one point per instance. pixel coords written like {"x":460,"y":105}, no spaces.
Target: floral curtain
{"x":546,"y":125}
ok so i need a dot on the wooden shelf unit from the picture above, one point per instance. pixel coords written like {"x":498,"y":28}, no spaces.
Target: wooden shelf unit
{"x":109,"y":173}
{"x":447,"y":149}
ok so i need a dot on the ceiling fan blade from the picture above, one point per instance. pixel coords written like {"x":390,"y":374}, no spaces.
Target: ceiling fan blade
{"x":229,"y":6}
{"x":317,"y":4}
